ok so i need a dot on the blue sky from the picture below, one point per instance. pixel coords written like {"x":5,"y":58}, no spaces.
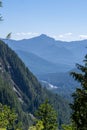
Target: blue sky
{"x":61,"y":19}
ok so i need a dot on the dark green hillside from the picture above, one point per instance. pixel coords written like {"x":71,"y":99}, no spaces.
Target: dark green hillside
{"x":29,"y":89}
{"x":20,"y":89}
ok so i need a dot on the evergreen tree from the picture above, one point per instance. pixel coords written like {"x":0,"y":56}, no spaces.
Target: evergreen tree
{"x":8,"y":36}
{"x":79,"y":105}
{"x":48,"y":116}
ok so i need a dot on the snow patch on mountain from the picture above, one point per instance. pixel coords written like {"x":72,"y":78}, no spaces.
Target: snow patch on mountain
{"x":48,"y":85}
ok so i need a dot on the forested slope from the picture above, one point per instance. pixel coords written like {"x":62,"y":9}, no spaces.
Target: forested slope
{"x":20,"y":89}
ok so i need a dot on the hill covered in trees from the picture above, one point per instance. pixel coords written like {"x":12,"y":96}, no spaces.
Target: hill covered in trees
{"x":20,"y":89}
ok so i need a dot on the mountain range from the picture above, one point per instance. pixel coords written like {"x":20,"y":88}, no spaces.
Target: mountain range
{"x":48,"y":55}
{"x":51,"y":60}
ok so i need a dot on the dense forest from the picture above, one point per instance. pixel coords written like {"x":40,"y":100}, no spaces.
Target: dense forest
{"x":20,"y":89}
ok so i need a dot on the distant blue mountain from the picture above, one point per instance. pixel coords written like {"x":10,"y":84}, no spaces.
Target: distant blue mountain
{"x":44,"y":54}
{"x":39,"y":65}
{"x":51,"y":60}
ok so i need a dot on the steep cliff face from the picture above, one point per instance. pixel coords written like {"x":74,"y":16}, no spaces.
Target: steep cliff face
{"x":25,"y":85}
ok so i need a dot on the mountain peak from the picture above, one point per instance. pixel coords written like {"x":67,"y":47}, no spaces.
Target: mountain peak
{"x":44,"y":36}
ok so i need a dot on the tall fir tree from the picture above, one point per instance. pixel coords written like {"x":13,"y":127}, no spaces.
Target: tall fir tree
{"x":48,"y":116}
{"x":79,"y":105}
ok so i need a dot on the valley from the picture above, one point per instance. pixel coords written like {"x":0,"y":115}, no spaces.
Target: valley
{"x":51,"y":60}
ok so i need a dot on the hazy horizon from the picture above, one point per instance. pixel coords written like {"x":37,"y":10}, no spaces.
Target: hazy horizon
{"x":62,"y":20}
{"x":47,"y":36}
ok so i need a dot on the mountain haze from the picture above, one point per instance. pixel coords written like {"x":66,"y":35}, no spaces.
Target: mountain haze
{"x":62,"y":56}
{"x":38,"y":65}
{"x":51,"y":60}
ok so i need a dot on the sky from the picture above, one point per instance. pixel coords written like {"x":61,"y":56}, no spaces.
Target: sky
{"x":61,"y":19}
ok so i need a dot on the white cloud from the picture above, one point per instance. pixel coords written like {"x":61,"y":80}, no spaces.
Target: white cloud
{"x":64,"y":36}
{"x":29,"y":33}
{"x":17,"y":34}
{"x":68,"y":34}
{"x":55,"y":37}
{"x":83,"y":36}
{"x":24,"y":35}
{"x":61,"y":36}
{"x":35,"y":33}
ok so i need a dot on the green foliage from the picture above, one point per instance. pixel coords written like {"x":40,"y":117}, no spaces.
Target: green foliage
{"x":38,"y":126}
{"x":3,"y":116}
{"x":2,"y":128}
{"x":32,"y":128}
{"x":8,"y":118}
{"x":47,"y":115}
{"x":79,"y":106}
{"x":67,"y":127}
